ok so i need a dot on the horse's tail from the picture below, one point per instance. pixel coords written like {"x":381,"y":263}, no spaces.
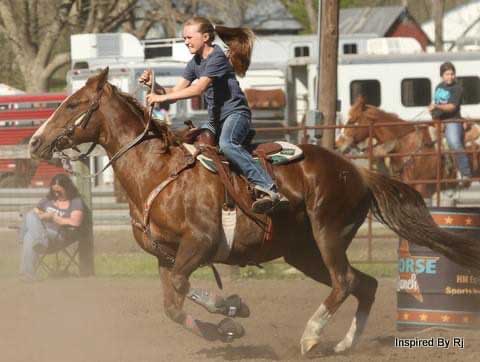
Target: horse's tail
{"x":403,"y":210}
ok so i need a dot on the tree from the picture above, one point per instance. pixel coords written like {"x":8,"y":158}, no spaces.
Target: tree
{"x":327,"y":92}
{"x":33,"y":30}
{"x":438,"y":7}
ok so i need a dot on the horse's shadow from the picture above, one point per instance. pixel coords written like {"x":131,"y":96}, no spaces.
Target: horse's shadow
{"x":235,"y":353}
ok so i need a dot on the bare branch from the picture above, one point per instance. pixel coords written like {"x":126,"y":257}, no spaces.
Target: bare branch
{"x":53,"y":32}
{"x":58,"y":61}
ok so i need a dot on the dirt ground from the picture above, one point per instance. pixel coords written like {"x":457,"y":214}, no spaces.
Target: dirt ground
{"x":122,"y":320}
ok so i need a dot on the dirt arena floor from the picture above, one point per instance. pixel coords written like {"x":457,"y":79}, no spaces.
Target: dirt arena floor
{"x":100,"y":319}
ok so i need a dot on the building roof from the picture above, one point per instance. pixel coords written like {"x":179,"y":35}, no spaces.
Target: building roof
{"x":5,"y":89}
{"x":271,"y":16}
{"x":372,"y":20}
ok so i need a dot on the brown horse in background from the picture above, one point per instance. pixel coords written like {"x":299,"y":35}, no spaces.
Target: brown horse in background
{"x":402,"y":138}
{"x":329,"y":200}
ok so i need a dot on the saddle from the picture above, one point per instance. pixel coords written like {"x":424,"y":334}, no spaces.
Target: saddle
{"x":278,"y":152}
{"x":201,"y":144}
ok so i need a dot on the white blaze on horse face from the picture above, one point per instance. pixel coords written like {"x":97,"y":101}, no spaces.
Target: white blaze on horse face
{"x":38,"y":133}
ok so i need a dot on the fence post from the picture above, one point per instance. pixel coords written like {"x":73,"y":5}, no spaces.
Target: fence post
{"x":370,"y":167}
{"x":438,"y":127}
{"x":84,"y":186}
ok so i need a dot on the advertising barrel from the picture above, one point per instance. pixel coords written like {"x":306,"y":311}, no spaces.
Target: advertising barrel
{"x":433,"y":291}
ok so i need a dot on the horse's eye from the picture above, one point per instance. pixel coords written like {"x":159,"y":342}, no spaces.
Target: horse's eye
{"x":72,"y":105}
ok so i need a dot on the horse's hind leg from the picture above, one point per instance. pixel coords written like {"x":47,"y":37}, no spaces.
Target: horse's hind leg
{"x":364,"y":291}
{"x":342,"y":280}
{"x":345,"y":280}
{"x":310,"y":262}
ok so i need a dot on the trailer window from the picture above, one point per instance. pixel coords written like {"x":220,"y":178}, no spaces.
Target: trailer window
{"x":302,"y":51}
{"x":368,"y":88}
{"x":350,"y":48}
{"x":471,"y":89}
{"x":416,"y":92}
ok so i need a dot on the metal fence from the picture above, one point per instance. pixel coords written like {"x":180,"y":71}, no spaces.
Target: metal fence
{"x":373,"y":244}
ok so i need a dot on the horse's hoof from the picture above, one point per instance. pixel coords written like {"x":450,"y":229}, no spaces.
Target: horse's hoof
{"x":233,"y":306}
{"x":341,"y":347}
{"x":229,"y":330}
{"x":306,"y":345}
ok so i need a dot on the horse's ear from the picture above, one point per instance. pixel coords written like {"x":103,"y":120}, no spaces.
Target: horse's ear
{"x":99,"y":80}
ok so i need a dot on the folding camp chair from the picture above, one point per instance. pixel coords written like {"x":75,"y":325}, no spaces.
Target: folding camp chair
{"x":61,"y":255}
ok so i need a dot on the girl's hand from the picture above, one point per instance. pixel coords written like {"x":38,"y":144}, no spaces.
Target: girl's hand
{"x":146,"y":78}
{"x":431,"y":107}
{"x":156,"y":98}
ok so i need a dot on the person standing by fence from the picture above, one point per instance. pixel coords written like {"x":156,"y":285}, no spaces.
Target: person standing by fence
{"x":447,"y":104}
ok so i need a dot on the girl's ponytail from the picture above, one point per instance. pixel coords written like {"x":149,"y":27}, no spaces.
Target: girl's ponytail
{"x":238,"y":40}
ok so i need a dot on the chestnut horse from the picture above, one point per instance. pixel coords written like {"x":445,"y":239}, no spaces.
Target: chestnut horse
{"x":329,"y":200}
{"x":402,"y":138}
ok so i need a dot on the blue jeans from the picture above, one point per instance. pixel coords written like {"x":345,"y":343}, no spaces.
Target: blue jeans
{"x":233,"y":132}
{"x":35,"y":236}
{"x":455,"y":137}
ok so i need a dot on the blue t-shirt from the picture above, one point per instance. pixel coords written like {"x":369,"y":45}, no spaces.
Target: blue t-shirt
{"x":224,"y":95}
{"x":448,"y":94}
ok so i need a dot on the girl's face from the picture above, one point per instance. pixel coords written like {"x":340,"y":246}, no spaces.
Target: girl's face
{"x":194,"y":40}
{"x":448,"y":76}
{"x":59,"y":192}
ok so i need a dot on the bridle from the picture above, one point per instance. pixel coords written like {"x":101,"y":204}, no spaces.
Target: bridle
{"x":82,"y":122}
{"x":67,"y":133}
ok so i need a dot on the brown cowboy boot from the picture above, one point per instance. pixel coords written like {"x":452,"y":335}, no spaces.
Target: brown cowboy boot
{"x":268,"y":201}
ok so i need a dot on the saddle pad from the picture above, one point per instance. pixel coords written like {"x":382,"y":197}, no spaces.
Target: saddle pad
{"x":289,"y":153}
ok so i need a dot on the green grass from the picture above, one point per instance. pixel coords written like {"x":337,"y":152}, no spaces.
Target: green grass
{"x":142,"y":265}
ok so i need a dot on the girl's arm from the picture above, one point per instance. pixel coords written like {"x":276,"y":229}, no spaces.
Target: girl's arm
{"x":186,"y":92}
{"x":182,"y":84}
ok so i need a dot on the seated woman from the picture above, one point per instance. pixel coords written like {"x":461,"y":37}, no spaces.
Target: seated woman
{"x":45,"y":223}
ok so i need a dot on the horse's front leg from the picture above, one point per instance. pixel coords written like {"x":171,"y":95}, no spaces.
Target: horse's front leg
{"x":231,"y":306}
{"x":176,"y":286}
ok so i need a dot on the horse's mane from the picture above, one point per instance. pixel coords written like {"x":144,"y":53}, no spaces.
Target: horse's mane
{"x":377,"y":114}
{"x":169,"y":137}
{"x":360,"y":108}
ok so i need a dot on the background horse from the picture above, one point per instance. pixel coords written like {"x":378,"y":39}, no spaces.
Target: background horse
{"x":329,"y":200}
{"x":403,"y":138}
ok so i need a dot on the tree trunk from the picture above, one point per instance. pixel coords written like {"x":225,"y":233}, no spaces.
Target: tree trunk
{"x":312,"y":14}
{"x":438,"y":7}
{"x":328,"y":69}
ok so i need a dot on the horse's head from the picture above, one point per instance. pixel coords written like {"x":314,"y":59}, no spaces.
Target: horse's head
{"x":77,"y":120}
{"x":352,"y":137}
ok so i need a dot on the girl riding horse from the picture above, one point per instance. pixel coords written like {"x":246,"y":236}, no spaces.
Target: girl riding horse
{"x":229,"y":116}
